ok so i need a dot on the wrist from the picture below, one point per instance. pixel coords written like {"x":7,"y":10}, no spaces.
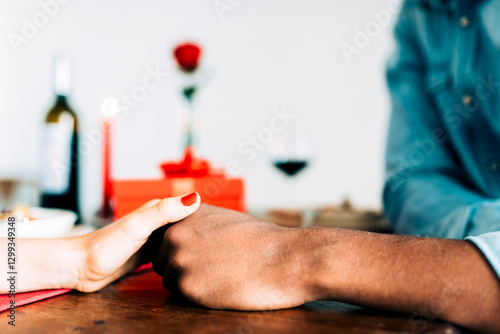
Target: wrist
{"x":311,"y":251}
{"x":330,"y":262}
{"x":70,"y":262}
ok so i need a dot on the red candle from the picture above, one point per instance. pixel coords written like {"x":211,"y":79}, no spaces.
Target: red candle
{"x":108,"y":111}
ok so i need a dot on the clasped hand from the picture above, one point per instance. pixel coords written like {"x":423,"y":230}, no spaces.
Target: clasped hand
{"x":214,"y":257}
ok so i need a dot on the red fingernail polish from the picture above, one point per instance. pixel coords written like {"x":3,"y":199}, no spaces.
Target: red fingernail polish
{"x":189,"y":199}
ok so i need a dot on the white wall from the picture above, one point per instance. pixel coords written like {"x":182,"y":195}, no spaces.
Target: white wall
{"x":262,"y":55}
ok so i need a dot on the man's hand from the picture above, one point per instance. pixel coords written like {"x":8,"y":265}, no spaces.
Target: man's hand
{"x":228,"y":260}
{"x":224,"y":259}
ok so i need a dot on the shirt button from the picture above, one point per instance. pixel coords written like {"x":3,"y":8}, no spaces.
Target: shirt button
{"x":466,"y":100}
{"x":493,"y":166}
{"x":464,"y":21}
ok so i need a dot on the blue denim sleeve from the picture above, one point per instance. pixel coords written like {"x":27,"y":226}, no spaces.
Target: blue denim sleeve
{"x":424,"y":193}
{"x":489,"y":245}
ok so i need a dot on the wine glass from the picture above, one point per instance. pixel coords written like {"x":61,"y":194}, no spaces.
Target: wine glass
{"x":290,"y":152}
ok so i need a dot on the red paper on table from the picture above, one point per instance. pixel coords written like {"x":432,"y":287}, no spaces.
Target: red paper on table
{"x":35,"y":296}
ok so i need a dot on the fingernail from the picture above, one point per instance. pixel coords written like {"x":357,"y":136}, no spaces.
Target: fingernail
{"x":189,"y":199}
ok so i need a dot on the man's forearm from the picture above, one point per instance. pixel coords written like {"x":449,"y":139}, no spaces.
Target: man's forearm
{"x":447,"y":279}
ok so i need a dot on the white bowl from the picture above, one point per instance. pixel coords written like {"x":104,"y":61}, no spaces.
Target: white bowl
{"x":47,"y":223}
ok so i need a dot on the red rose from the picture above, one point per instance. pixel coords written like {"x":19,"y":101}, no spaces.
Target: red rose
{"x":187,"y":56}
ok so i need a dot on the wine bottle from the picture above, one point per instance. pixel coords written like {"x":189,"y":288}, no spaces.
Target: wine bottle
{"x":59,"y":180}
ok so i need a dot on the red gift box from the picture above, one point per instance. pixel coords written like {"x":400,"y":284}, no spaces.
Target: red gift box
{"x":215,"y":189}
{"x":183,"y":177}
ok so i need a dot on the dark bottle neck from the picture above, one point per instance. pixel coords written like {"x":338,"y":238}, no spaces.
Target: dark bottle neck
{"x":62,"y":101}
{"x":61,"y":98}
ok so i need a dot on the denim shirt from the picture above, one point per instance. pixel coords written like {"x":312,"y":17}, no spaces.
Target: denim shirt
{"x":443,"y":150}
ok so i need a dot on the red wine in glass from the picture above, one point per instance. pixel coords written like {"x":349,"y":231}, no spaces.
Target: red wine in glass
{"x":290,"y":152}
{"x":291,"y":167}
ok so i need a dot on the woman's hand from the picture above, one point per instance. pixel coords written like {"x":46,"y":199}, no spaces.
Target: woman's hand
{"x":110,"y":252}
{"x":89,"y":262}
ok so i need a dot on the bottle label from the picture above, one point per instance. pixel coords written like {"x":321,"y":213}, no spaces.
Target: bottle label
{"x":57,"y":157}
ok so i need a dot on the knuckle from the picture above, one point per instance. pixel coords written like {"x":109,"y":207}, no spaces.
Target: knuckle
{"x":150,"y":203}
{"x":170,"y":235}
{"x":87,"y":287}
{"x":162,"y":207}
{"x":175,"y":234}
{"x":156,"y":200}
{"x":176,"y":261}
{"x":187,"y":287}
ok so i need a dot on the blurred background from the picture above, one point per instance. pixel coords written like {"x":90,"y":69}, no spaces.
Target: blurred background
{"x":258,"y":56}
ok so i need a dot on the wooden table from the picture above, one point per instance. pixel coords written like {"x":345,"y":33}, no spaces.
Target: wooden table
{"x":140,"y":304}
